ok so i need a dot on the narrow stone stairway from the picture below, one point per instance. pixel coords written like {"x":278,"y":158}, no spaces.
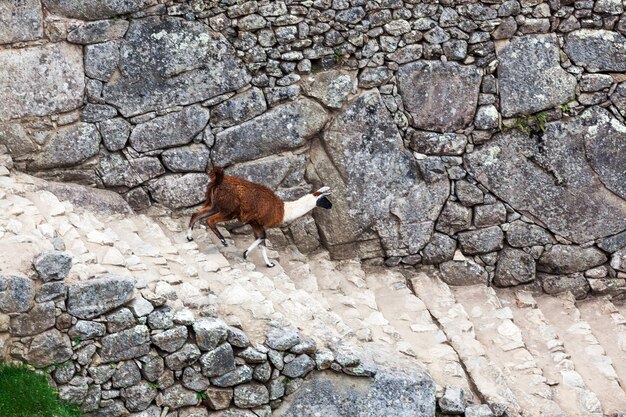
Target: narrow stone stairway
{"x":536,"y":355}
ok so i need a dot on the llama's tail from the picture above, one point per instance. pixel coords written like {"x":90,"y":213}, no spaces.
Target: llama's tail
{"x":216,"y":174}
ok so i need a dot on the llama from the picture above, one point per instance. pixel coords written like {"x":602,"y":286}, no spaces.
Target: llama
{"x":229,"y":198}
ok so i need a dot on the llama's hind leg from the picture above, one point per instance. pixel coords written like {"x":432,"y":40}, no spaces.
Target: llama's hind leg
{"x":258,"y":239}
{"x":265,"y":257}
{"x":203,"y":213}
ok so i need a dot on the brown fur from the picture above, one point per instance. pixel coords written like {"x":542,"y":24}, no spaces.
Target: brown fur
{"x":229,"y":198}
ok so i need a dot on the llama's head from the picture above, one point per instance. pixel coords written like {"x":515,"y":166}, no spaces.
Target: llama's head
{"x":322,"y":201}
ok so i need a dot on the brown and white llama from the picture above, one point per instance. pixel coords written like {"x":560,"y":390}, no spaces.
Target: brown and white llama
{"x":229,"y":198}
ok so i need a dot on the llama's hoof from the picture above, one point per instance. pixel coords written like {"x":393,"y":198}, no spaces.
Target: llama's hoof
{"x":270,"y":265}
{"x":189,"y":238}
{"x":245,"y":254}
{"x":224,"y":243}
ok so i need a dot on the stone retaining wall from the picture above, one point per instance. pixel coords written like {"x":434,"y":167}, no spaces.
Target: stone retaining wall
{"x":119,"y":350}
{"x":485,"y":137}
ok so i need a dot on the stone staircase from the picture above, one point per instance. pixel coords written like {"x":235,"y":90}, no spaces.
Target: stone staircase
{"x":537,"y":355}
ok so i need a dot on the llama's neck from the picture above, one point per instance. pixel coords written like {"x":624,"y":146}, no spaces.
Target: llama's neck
{"x":298,"y":208}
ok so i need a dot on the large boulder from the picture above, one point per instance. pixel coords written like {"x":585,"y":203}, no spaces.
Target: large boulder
{"x":439,"y":96}
{"x":565,"y":259}
{"x":407,"y":393}
{"x":282,"y":128}
{"x":125,"y":345}
{"x":606,"y":151}
{"x":95,"y":9}
{"x":41,"y":80}
{"x":17,"y":294}
{"x":552,"y":179}
{"x":20,"y":21}
{"x":177,"y":191}
{"x":530,"y":75}
{"x":173,"y":129}
{"x":166,"y":62}
{"x":89,"y":299}
{"x":67,"y":146}
{"x":597,"y":50}
{"x":330,"y":87}
{"x":39,"y":318}
{"x":239,"y":108}
{"x":514,"y":267}
{"x":49,"y":348}
{"x":379,"y":196}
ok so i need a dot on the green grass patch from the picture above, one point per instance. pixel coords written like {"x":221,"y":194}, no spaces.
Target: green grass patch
{"x":24,"y":393}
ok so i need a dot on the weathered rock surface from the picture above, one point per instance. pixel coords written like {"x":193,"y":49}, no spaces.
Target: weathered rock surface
{"x":565,"y":259}
{"x":94,"y":9}
{"x":606,"y":151}
{"x":125,"y":345}
{"x":177,"y":191}
{"x":251,"y":395}
{"x":49,"y":348}
{"x":361,"y":143}
{"x":194,"y":157}
{"x":597,"y":50}
{"x":530,"y":75}
{"x":168,"y":62}
{"x":17,"y":294}
{"x":210,"y":333}
{"x":388,"y":394}
{"x":284,"y":127}
{"x":330,"y":87}
{"x":514,"y":267}
{"x":100,"y":31}
{"x":53,"y":265}
{"x":117,"y":171}
{"x":557,"y":284}
{"x":270,"y":171}
{"x":92,"y":298}
{"x":67,"y":146}
{"x":553,"y":180}
{"x":463,"y":273}
{"x":171,"y":340}
{"x":484,"y":240}
{"x":440,"y":96}
{"x":101,"y":60}
{"x":20,"y":21}
{"x":58,"y":86}
{"x":521,"y":234}
{"x":239,"y":108}
{"x":431,"y":143}
{"x":178,"y":128}
{"x":439,"y":249}
{"x":37,"y":320}
{"x":219,"y":361}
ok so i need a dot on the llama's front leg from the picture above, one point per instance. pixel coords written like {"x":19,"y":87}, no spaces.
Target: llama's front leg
{"x":251,"y":247}
{"x":265,"y":258}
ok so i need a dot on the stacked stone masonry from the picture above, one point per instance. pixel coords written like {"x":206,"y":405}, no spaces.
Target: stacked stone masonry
{"x":116,"y":349}
{"x":484,"y":137}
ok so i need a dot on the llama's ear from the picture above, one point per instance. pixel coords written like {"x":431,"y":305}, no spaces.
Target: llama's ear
{"x":322,"y":191}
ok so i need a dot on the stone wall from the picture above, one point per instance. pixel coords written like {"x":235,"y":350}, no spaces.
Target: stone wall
{"x":117,"y":349}
{"x":484,"y":137}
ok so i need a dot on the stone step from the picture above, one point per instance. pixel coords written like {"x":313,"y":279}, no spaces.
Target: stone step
{"x":609,"y":327}
{"x":420,"y":336}
{"x":496,"y":329}
{"x":587,"y":354}
{"x":543,"y":342}
{"x":487,"y":376}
